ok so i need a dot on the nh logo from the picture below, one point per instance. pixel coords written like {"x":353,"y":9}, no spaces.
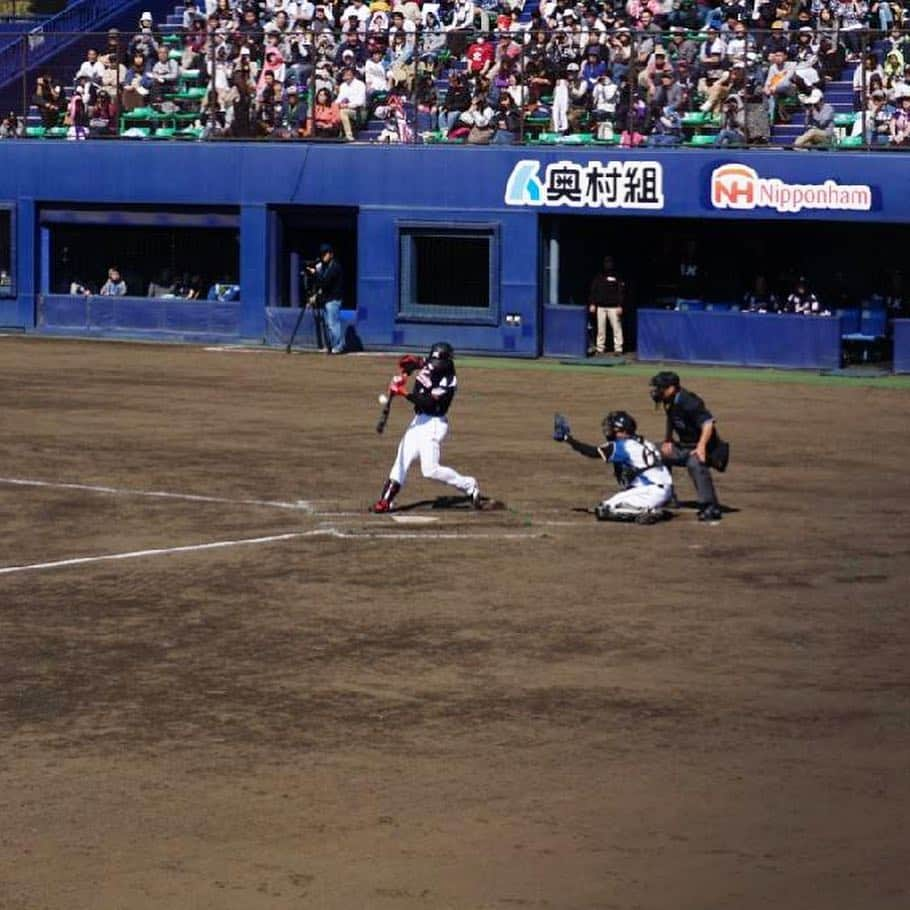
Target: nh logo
{"x":733,"y":186}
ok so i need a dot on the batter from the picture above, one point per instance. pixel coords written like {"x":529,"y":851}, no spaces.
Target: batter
{"x":434,"y":388}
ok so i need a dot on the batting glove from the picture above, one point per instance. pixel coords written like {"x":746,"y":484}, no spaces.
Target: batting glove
{"x":398,"y":385}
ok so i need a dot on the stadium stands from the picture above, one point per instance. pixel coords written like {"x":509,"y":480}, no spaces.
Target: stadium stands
{"x":603,"y":72}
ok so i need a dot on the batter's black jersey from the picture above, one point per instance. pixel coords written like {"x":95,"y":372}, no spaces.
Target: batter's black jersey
{"x":434,"y":388}
{"x":686,"y":415}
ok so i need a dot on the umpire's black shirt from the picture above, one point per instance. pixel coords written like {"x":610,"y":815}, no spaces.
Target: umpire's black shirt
{"x":686,"y":415}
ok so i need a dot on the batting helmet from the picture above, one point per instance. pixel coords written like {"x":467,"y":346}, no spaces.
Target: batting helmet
{"x":662,"y":381}
{"x":618,"y":421}
{"x":442,"y":352}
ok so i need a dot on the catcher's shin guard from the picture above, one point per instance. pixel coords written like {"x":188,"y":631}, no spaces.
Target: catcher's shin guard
{"x":389,"y":492}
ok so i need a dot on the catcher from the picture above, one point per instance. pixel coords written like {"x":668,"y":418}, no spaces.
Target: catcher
{"x":646,"y":486}
{"x":434,"y":388}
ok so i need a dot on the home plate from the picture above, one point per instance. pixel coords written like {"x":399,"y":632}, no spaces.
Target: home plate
{"x":414,"y":519}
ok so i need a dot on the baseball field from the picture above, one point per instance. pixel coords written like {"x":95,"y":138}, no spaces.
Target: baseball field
{"x":225,"y":685}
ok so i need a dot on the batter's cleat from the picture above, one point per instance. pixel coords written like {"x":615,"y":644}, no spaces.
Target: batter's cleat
{"x":475,"y":496}
{"x":381,"y":506}
{"x":710,"y":513}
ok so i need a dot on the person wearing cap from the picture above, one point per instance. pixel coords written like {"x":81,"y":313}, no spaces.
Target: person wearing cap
{"x":294,"y":114}
{"x":803,"y":302}
{"x":691,"y":439}
{"x":819,"y":121}
{"x":606,"y":300}
{"x":145,"y":39}
{"x":328,"y":281}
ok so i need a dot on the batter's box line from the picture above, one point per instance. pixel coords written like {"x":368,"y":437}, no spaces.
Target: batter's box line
{"x":300,"y":505}
{"x":272,"y":538}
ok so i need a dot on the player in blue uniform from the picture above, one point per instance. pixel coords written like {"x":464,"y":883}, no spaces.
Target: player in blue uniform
{"x":646,"y":486}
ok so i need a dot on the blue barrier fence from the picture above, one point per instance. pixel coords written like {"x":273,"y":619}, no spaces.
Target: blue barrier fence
{"x":901,"y":345}
{"x":741,"y":339}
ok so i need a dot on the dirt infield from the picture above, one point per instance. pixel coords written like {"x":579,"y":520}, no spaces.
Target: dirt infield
{"x":519,"y":708}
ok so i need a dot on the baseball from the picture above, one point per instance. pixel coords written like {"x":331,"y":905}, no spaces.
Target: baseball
{"x":383,"y":399}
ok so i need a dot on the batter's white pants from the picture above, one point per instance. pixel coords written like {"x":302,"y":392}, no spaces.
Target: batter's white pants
{"x":636,"y":500}
{"x":612,"y":314}
{"x":422,"y":439}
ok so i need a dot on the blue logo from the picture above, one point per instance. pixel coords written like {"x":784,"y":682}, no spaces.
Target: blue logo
{"x":524,"y":186}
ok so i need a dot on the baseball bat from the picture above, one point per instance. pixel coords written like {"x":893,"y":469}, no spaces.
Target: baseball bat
{"x":384,"y":413}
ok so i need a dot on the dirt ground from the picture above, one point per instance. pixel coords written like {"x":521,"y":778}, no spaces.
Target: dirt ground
{"x":444,"y":709}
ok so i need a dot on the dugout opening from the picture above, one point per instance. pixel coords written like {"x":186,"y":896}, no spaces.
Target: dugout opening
{"x":717,"y":260}
{"x":299,"y":233}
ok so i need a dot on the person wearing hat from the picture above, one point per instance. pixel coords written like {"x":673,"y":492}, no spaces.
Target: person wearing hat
{"x":803,"y":301}
{"x":691,"y":439}
{"x":328,"y":281}
{"x":819,"y":121}
{"x":294,"y":113}
{"x":145,"y":39}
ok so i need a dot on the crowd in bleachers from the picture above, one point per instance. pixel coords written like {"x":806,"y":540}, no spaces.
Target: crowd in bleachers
{"x":631,"y":72}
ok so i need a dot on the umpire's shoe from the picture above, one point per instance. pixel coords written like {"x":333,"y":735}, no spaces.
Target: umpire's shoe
{"x":710,"y":512}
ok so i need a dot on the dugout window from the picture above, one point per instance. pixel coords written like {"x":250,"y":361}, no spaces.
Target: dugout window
{"x":449,"y":273}
{"x":180,"y":248}
{"x":7,"y":255}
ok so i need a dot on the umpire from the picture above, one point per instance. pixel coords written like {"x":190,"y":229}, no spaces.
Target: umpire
{"x":691,"y":439}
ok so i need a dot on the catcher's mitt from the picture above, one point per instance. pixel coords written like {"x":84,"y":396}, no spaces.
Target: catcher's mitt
{"x":409,"y":363}
{"x":560,"y":428}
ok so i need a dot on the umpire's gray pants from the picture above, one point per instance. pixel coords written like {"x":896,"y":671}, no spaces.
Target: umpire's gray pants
{"x":698,"y":471}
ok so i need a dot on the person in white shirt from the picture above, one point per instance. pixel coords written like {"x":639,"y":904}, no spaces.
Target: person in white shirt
{"x":91,"y":67}
{"x":352,"y":100}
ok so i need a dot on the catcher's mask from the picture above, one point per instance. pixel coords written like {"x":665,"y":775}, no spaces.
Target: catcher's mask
{"x":442,"y":352}
{"x":660,"y":383}
{"x":618,"y":421}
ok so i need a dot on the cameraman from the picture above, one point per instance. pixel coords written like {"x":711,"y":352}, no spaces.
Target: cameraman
{"x":733,"y":128}
{"x":329,"y":280}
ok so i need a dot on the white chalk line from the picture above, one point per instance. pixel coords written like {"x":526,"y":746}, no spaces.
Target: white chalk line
{"x":291,"y":535}
{"x":302,"y":505}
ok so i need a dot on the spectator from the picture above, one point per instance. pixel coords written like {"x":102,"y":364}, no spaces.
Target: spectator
{"x":900,"y":123}
{"x":351,"y":101}
{"x":480,"y":56}
{"x":11,"y":127}
{"x":91,"y":67}
{"x":733,"y":126}
{"x":374,"y":75}
{"x":163,"y":76}
{"x":115,"y":286}
{"x":326,"y":116}
{"x":163,"y":287}
{"x":78,"y":289}
{"x":49,"y":100}
{"x":145,"y":41}
{"x":852,"y":15}
{"x":819,"y":122}
{"x":760,"y":299}
{"x":103,"y":115}
{"x":803,"y":302}
{"x":779,"y":84}
{"x":506,"y":120}
{"x":295,"y":114}
{"x":137,"y":84}
{"x":667,"y":127}
{"x":77,"y":110}
{"x":475,"y":124}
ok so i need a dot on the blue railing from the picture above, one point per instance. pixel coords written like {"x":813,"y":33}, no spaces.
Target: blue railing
{"x":44,"y":40}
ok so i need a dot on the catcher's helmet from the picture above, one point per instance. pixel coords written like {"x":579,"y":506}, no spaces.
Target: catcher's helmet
{"x":661,"y":381}
{"x":618,"y":421}
{"x":442,"y":352}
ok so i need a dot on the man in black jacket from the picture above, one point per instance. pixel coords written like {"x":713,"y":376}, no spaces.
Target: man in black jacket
{"x":691,"y":439}
{"x":329,"y":280}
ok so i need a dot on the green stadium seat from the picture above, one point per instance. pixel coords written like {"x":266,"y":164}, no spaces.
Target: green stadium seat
{"x":845,"y":119}
{"x":850,"y":142}
{"x":164,"y":132}
{"x":57,"y":132}
{"x":700,"y":140}
{"x":35,"y":132}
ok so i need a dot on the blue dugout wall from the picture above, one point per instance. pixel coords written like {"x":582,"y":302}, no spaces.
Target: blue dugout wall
{"x":384,"y":188}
